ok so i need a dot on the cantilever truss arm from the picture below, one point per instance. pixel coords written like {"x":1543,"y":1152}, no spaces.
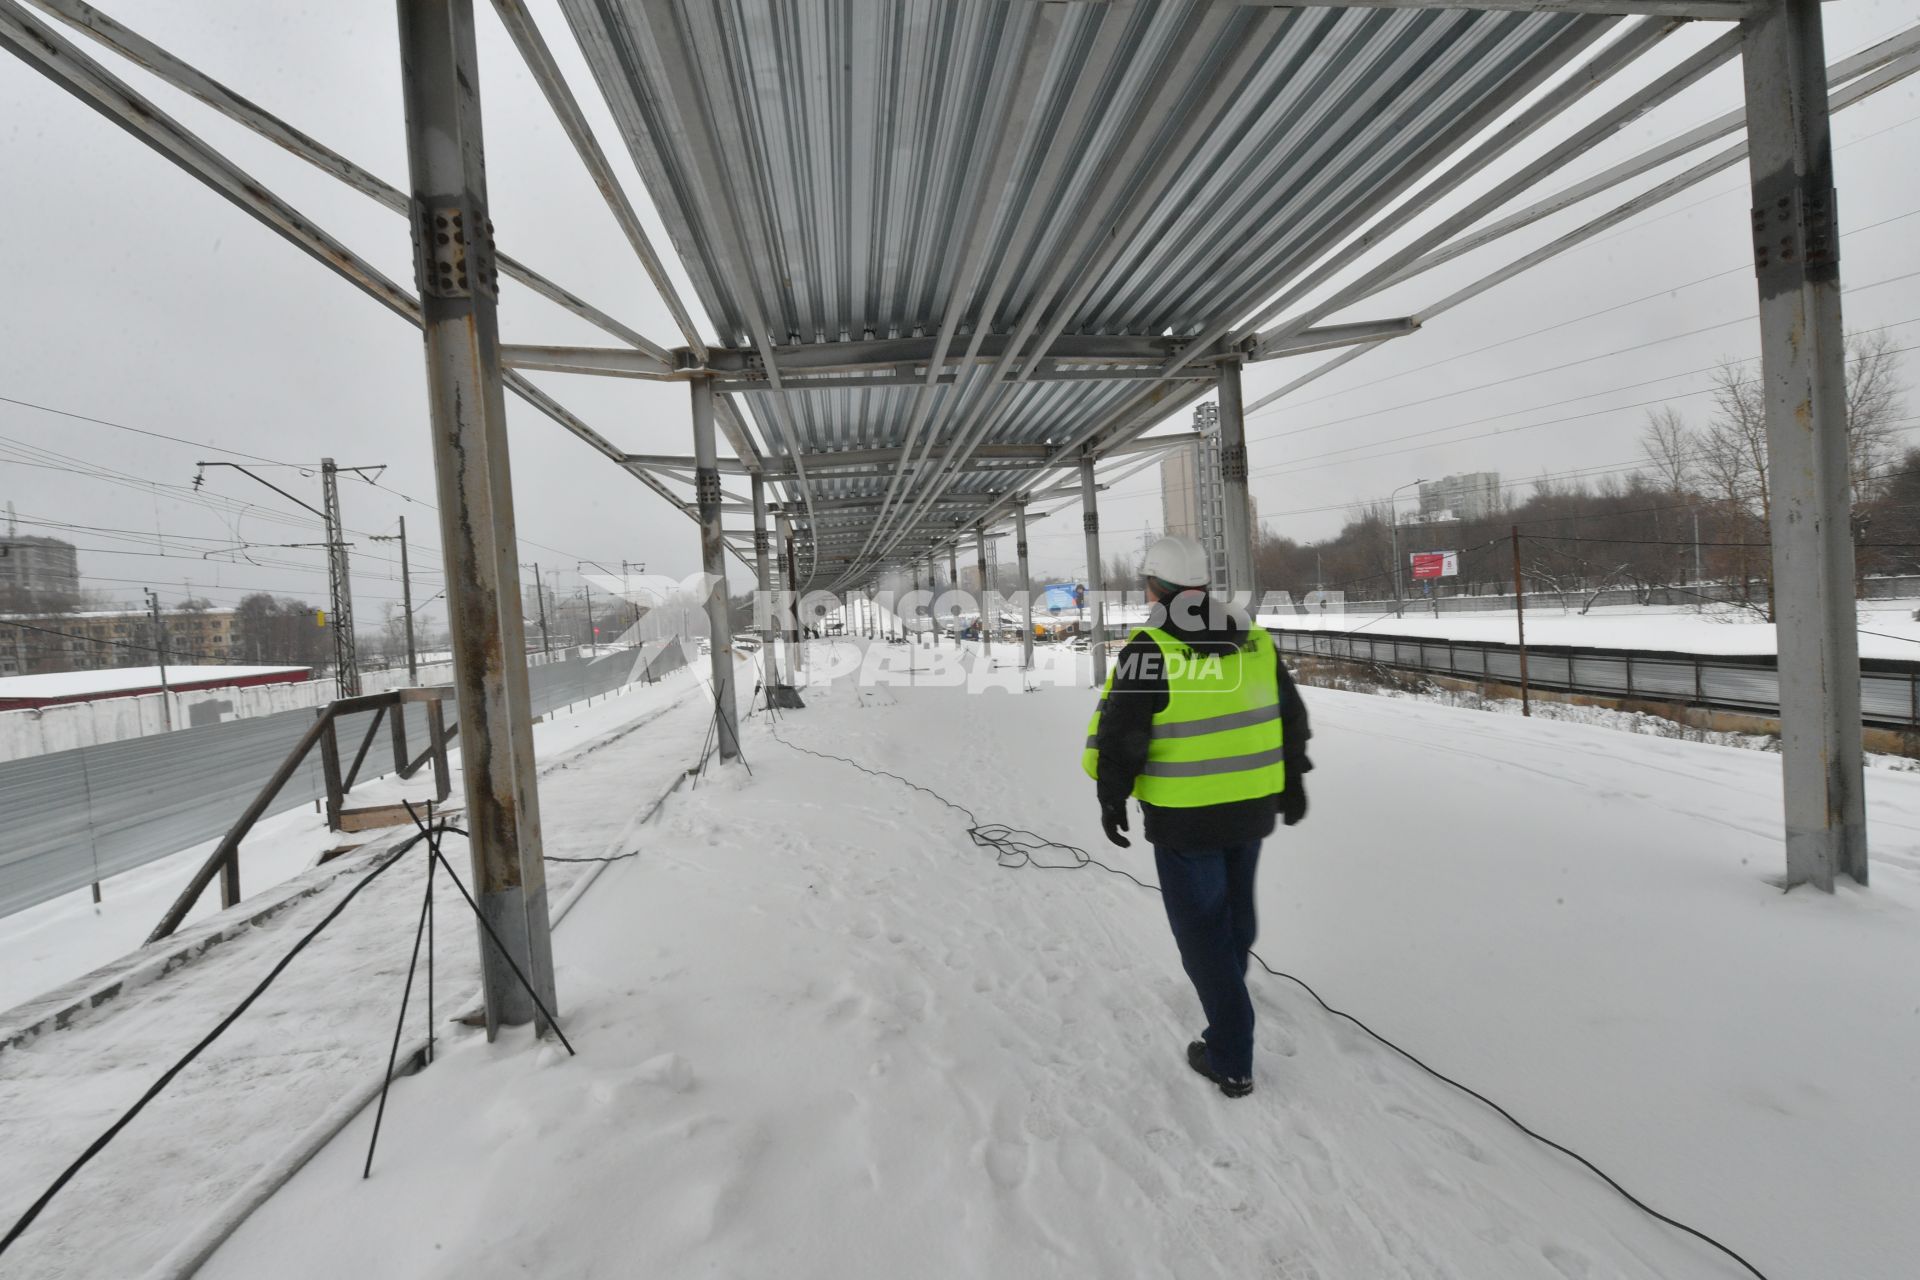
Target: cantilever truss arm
{"x":175,"y":71}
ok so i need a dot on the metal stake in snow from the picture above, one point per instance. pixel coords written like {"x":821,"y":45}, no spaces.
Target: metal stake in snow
{"x":454,"y":264}
{"x":1520,"y":617}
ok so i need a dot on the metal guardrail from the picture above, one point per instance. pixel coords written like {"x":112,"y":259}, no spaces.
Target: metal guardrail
{"x":73,"y":818}
{"x":1889,"y":689}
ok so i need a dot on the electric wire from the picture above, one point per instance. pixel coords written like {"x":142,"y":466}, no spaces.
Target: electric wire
{"x":1019,"y":845}
{"x":153,"y":1091}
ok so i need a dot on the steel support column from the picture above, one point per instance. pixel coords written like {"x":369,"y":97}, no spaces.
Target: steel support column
{"x":953,"y":582}
{"x":713,"y":560}
{"x":455,"y":268}
{"x":1026,"y":586}
{"x":986,"y":589}
{"x":1096,"y":587}
{"x":1803,"y":373}
{"x":790,"y":616}
{"x":1237,"y":513}
{"x":763,"y":607}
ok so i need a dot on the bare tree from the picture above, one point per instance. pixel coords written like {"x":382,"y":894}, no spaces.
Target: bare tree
{"x":1671,"y":449}
{"x":1874,"y":404}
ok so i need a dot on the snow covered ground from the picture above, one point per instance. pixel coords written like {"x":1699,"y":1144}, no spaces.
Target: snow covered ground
{"x":822,"y":1034}
{"x":1888,"y":628}
{"x":307,"y":1054}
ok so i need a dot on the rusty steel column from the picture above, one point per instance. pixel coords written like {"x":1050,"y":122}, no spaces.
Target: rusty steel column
{"x":986,"y":589}
{"x":713,"y":557}
{"x":1237,"y":510}
{"x":1026,"y":586}
{"x":454,"y":266}
{"x":1096,"y":613}
{"x":763,"y":607}
{"x":1803,"y":375}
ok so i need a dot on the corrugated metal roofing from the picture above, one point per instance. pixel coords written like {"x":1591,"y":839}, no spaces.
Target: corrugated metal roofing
{"x":838,"y":171}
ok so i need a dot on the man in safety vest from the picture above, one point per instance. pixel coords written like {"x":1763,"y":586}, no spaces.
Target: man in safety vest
{"x":1201,"y":724}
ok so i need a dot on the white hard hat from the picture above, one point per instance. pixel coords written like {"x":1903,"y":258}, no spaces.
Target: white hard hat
{"x":1178,"y":562}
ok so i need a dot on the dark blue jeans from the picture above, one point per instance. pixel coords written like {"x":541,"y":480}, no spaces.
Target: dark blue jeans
{"x":1209,"y":897}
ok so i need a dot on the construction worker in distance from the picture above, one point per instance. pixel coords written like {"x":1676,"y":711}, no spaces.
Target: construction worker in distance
{"x":1201,"y":723}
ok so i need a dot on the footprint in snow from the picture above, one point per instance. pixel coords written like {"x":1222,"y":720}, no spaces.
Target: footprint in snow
{"x":1006,"y":1163}
{"x":1570,"y":1263}
{"x":1448,"y":1136}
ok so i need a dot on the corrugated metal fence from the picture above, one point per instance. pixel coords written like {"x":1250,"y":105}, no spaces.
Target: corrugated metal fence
{"x":1889,"y":690}
{"x":71,"y":818}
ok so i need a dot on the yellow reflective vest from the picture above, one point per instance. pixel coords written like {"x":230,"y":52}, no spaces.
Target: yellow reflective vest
{"x":1219,"y":738}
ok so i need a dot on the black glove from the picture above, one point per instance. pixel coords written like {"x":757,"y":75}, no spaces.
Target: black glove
{"x":1113,"y":820}
{"x":1293,"y":801}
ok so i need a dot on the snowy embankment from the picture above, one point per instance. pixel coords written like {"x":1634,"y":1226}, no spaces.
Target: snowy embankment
{"x":1888,"y":628}
{"x":298,"y":1062}
{"x":52,"y":943}
{"x":822,"y":1034}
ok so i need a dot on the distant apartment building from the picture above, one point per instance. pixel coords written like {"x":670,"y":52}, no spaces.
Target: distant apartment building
{"x":32,"y":566}
{"x":1180,"y":488}
{"x":1472,"y":495}
{"x":42,"y":643}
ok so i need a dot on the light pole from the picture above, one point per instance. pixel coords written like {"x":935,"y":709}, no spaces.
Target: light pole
{"x":1393,"y":527}
{"x":406,"y":596}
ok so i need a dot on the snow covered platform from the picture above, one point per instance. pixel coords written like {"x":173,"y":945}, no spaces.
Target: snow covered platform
{"x":1888,"y":628}
{"x":310,"y":1053}
{"x":821,"y":1033}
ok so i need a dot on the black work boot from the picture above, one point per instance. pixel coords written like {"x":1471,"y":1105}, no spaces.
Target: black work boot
{"x":1233,"y":1087}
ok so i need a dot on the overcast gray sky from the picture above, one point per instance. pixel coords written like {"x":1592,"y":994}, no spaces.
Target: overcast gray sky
{"x":134,"y":295}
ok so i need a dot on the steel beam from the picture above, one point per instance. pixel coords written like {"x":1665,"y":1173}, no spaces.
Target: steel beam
{"x":616,"y":362}
{"x":1605,"y":64}
{"x":250,"y":115}
{"x":1096,"y":575}
{"x":1796,"y":238}
{"x":1331,"y":337}
{"x":552,"y":81}
{"x":65,"y":65}
{"x":1700,"y":10}
{"x":455,"y":272}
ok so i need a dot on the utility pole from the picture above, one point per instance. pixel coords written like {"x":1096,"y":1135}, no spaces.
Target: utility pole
{"x":540,"y":594}
{"x":160,"y":649}
{"x":346,"y":654}
{"x":340,"y":596}
{"x":1393,"y":529}
{"x":593,"y":632}
{"x":1699,"y":578}
{"x":1520,"y":616}
{"x":406,"y":597}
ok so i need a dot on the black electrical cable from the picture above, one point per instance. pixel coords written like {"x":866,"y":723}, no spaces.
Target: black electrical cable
{"x":153,"y":1091}
{"x":1019,"y":845}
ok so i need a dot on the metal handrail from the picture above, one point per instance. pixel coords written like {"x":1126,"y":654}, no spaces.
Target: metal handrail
{"x":323,"y":732}
{"x":1895,"y":680}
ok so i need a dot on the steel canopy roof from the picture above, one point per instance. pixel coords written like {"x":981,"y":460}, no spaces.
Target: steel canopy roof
{"x":933,"y":225}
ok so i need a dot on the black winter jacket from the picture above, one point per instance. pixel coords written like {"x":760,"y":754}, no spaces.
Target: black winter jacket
{"x":1140,"y":693}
